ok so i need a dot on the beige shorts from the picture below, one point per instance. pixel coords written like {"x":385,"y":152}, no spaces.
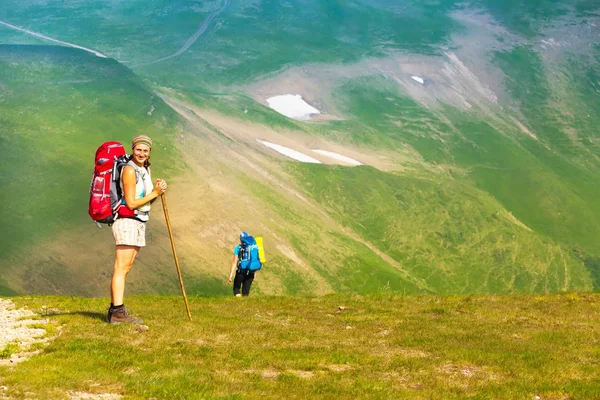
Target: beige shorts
{"x":128,"y":231}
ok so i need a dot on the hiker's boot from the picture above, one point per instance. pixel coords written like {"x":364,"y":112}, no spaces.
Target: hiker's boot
{"x":121,"y":316}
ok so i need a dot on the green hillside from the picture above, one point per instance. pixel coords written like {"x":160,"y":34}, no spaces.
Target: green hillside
{"x":57,"y":105}
{"x":84,"y":111}
{"x":457,"y":238}
{"x":483,"y":178}
{"x":330,"y":347}
{"x":245,"y":38}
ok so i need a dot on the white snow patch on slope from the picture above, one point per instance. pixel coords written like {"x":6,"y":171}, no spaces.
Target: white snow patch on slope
{"x":292,"y":106}
{"x":418,"y":79}
{"x":337,"y":156}
{"x":293,"y":154}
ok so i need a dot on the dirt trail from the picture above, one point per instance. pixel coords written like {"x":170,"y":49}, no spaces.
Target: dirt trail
{"x":39,"y":35}
{"x":201,"y":30}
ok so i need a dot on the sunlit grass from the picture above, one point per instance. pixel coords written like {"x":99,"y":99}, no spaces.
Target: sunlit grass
{"x":343,"y":347}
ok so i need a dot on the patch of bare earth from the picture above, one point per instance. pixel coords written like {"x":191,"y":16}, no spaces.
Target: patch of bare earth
{"x":390,"y":353}
{"x":94,"y":396}
{"x":337,"y":367}
{"x":246,"y":133}
{"x":465,"y":376}
{"x":401,"y":381}
{"x":270,"y":374}
{"x":301,"y":373}
{"x":464,"y":75}
{"x":264,"y":167}
{"x":568,"y":35}
{"x":15,"y":330}
{"x":266,"y":374}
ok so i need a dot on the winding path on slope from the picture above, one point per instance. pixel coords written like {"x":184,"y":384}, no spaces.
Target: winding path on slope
{"x":39,"y":35}
{"x":201,"y":30}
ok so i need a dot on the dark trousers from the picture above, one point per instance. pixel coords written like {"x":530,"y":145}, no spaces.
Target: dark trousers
{"x":243,"y":280}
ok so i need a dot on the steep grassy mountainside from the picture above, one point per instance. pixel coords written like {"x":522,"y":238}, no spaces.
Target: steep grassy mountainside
{"x":477,"y":124}
{"x":330,"y":347}
{"x":219,"y":42}
{"x":222,"y":42}
{"x":459,"y":239}
{"x":60,"y":104}
{"x":57,"y":105}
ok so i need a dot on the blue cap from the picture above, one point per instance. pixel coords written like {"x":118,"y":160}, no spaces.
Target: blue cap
{"x":247,"y":239}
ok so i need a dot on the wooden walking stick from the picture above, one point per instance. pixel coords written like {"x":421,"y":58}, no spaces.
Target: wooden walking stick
{"x":164,"y":204}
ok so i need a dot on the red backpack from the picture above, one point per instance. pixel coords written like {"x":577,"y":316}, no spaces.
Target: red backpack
{"x":105,"y":189}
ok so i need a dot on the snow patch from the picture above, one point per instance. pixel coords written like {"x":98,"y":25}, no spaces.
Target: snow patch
{"x":418,"y":79}
{"x":292,"y":106}
{"x":293,"y":154}
{"x":338,"y":157}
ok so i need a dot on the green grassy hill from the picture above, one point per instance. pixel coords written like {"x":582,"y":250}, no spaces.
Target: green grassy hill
{"x":484,"y":179}
{"x":59,"y":103}
{"x":212,"y":199}
{"x":57,"y":106}
{"x":329,"y":347}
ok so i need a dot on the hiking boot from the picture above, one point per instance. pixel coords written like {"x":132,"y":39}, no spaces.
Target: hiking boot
{"x":121,"y":316}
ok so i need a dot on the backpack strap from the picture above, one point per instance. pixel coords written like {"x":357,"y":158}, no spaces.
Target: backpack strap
{"x":138,"y":172}
{"x":241,"y":255}
{"x":138,"y":177}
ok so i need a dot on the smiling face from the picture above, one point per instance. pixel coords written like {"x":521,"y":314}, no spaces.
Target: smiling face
{"x":141,"y":152}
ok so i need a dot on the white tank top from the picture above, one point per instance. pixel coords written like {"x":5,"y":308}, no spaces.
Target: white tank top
{"x":143,"y":186}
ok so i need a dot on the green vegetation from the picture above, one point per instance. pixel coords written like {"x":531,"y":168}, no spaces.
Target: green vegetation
{"x":528,"y":17}
{"x":478,"y":204}
{"x":569,"y":128}
{"x":5,"y":290}
{"x":253,"y":39}
{"x":239,"y":106}
{"x":246,"y":40}
{"x":455,"y":238}
{"x":345,"y":263}
{"x":384,"y":117}
{"x":58,"y":106}
{"x":550,"y":185}
{"x":9,"y":350}
{"x":332,"y":347}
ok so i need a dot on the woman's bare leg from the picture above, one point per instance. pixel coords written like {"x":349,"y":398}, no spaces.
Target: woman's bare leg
{"x":124,"y":258}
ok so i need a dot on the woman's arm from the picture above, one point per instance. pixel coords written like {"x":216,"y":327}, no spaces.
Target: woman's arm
{"x":128,"y":176}
{"x":233,"y":267}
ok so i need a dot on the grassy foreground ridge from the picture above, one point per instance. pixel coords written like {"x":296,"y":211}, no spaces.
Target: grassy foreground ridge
{"x":333,"y":347}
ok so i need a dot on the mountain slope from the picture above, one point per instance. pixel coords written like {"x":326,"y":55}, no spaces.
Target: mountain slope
{"x":480,"y":176}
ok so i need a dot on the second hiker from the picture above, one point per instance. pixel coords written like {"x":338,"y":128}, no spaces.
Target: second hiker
{"x":245,"y":265}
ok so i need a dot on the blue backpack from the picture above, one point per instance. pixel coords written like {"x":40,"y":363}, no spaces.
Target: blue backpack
{"x":248,"y":255}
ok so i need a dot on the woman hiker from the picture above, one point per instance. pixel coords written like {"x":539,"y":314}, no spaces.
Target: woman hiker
{"x":129,"y":229}
{"x":243,"y":279}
